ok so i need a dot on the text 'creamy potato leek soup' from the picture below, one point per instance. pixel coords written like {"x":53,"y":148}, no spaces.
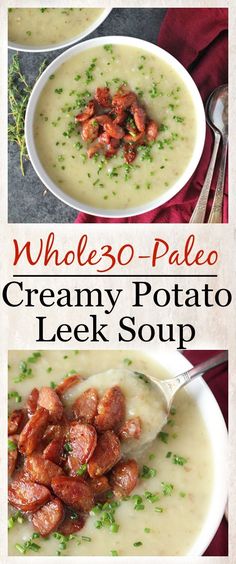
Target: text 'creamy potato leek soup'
{"x":115,"y":126}
{"x":88,"y":475}
{"x":48,"y":26}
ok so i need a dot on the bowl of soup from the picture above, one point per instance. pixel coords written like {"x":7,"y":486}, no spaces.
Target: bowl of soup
{"x":174,"y":493}
{"x":148,"y":167}
{"x":47,"y":29}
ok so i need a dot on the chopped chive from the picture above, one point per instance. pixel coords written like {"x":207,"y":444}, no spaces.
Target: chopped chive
{"x":167,"y":488}
{"x":81,"y":471}
{"x":163,"y":437}
{"x":127,"y":361}
{"x":114,"y":528}
{"x":68,"y":447}
{"x":147,"y":472}
{"x":11,"y":445}
{"x":180,"y":460}
{"x":138,"y":543}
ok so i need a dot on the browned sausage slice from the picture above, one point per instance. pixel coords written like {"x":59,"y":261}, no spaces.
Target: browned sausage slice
{"x":67,"y":383}
{"x":49,"y":517}
{"x":151,"y":131}
{"x":100,"y":487}
{"x":73,"y":492}
{"x":70,"y":526}
{"x":41,"y":470}
{"x":131,"y":429}
{"x":49,"y":399}
{"x":111,"y":410}
{"x":106,"y":454}
{"x":85,"y":406}
{"x":26,"y":495}
{"x":54,"y":450}
{"x":54,"y":432}
{"x":83,"y":440}
{"x":32,"y":401}
{"x":33,"y":431}
{"x":16,"y":421}
{"x":124,"y":477}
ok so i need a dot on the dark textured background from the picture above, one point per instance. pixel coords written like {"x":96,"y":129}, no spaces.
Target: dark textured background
{"x":26,"y":201}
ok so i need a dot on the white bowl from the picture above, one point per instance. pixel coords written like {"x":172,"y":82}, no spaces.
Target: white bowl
{"x":62,"y":45}
{"x":198,"y":107}
{"x":175,"y":364}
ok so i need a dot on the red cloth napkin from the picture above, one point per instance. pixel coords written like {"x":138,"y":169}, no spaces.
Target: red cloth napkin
{"x":217,"y":380}
{"x":198,"y":38}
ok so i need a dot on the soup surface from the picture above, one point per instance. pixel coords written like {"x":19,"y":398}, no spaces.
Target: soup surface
{"x":113,"y":183}
{"x":48,"y":26}
{"x":166,"y":510}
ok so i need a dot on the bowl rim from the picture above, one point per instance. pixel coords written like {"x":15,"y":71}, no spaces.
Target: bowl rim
{"x":200,"y":127}
{"x":62,"y":44}
{"x":175,"y":363}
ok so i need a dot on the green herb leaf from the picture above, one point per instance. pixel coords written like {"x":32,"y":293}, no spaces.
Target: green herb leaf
{"x":138,"y":543}
{"x":19,"y":91}
{"x":167,"y":488}
{"x":163,"y":437}
{"x":180,"y":460}
{"x":81,"y":470}
{"x":11,"y":445}
{"x":147,"y":472}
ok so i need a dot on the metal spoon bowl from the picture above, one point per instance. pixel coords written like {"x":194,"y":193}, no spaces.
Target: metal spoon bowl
{"x":218,"y":113}
{"x":216,"y":110}
{"x":171,"y":386}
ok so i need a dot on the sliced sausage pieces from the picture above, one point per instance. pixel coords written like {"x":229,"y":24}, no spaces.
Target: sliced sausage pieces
{"x":73,"y":492}
{"x":53,"y":450}
{"x":26,"y":495}
{"x":16,"y":421}
{"x":33,"y":431}
{"x":67,"y":383}
{"x":83,"y":440}
{"x":49,"y":517}
{"x":131,"y":429}
{"x":106,"y":454}
{"x":49,"y":399}
{"x":100,"y":486}
{"x":124,"y":477}
{"x":32,"y":401}
{"x":41,"y":470}
{"x":85,"y":406}
{"x":70,"y":526}
{"x":111,"y":410}
{"x":54,"y":432}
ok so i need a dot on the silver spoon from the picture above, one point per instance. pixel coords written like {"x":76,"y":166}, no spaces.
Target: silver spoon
{"x":219,"y":120}
{"x":199,"y":211}
{"x":171,"y":386}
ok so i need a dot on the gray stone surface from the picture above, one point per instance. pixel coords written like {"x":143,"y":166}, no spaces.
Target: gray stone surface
{"x":26,"y":203}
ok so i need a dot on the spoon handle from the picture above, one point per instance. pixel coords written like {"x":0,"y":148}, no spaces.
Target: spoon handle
{"x":199,"y":211}
{"x":174,"y":384}
{"x":216,"y":210}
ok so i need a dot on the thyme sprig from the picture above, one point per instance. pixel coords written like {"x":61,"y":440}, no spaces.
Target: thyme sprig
{"x":19,"y":91}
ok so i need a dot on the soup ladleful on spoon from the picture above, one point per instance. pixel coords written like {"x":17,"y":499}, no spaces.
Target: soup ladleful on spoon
{"x":171,"y":386}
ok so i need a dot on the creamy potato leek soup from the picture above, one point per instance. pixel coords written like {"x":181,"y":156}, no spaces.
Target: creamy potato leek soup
{"x":159,"y":507}
{"x":143,"y":166}
{"x":48,"y":26}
